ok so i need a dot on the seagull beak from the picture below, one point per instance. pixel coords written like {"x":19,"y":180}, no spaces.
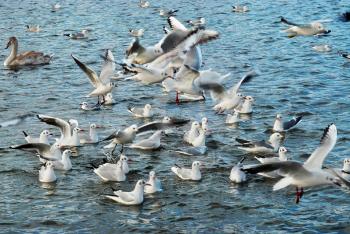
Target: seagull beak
{"x":130,"y":161}
{"x":98,"y":126}
{"x":148,"y":185}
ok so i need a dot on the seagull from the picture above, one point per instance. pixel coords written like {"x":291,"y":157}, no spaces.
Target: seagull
{"x":193,"y":133}
{"x":148,"y":74}
{"x":198,"y":22}
{"x":246,"y":106}
{"x":344,"y":54}
{"x":56,"y":6}
{"x":154,"y":184}
{"x":190,"y":81}
{"x":167,"y":13}
{"x":237,"y":175}
{"x":345,"y":171}
{"x":280,"y":126}
{"x":271,"y":146}
{"x":108,"y":99}
{"x":102,"y":83}
{"x":47,"y":173}
{"x":69,"y":136}
{"x":135,"y":197}
{"x":33,"y":28}
{"x":240,"y":9}
{"x":92,"y":138}
{"x":199,"y":141}
{"x":145,"y":112}
{"x":43,"y":138}
{"x":144,"y":4}
{"x":233,"y":118}
{"x":177,"y":40}
{"x":136,"y":32}
{"x":121,"y":137}
{"x":188,"y":173}
{"x":313,"y":28}
{"x":307,"y":174}
{"x":164,"y":124}
{"x":78,"y":35}
{"x":63,"y":164}
{"x":124,"y":161}
{"x":282,"y":157}
{"x":111,"y":172}
{"x":282,"y":151}
{"x":151,"y":143}
{"x":322,"y":48}
{"x":86,"y":107}
{"x":227,"y":99}
{"x":205,"y":123}
{"x":345,"y":16}
{"x":44,"y":150}
{"x":15,"y":120}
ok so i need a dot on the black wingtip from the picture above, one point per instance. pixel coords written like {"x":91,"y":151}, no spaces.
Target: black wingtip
{"x":25,"y":134}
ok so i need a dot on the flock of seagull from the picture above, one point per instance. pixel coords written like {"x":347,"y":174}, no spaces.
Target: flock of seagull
{"x":176,"y":63}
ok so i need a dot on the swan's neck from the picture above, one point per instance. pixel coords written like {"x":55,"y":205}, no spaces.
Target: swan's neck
{"x":13,"y":54}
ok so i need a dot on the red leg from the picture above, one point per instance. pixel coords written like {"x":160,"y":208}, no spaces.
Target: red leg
{"x":177,"y":98}
{"x":297,"y":196}
{"x":301,"y":192}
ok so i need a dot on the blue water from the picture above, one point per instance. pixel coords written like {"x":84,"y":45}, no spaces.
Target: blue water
{"x":294,"y":80}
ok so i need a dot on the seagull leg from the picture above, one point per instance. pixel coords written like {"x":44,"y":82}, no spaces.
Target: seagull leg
{"x":177,"y":98}
{"x":299,"y":194}
{"x":122,"y":149}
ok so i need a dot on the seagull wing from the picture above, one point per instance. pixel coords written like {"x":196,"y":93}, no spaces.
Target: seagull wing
{"x":62,"y":124}
{"x":125,"y":196}
{"x":108,"y":67}
{"x":328,"y":140}
{"x":291,"y":123}
{"x":246,"y":78}
{"x":175,"y":24}
{"x":40,"y":148}
{"x":91,"y":74}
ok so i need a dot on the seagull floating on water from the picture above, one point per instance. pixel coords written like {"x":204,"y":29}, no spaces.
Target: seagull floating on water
{"x":313,"y":28}
{"x":63,"y":164}
{"x":136,"y":32}
{"x":47,"y":173}
{"x":154,"y":184}
{"x":280,"y":126}
{"x":111,"y":172}
{"x":78,"y":35}
{"x":33,"y":28}
{"x":43,"y":138}
{"x":145,"y":112}
{"x":151,"y":143}
{"x":271,"y":146}
{"x":135,"y":197}
{"x":193,"y":173}
{"x":237,"y":175}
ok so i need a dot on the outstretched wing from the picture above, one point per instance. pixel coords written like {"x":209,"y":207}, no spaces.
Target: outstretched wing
{"x":328,"y":140}
{"x":91,"y":74}
{"x":108,"y":67}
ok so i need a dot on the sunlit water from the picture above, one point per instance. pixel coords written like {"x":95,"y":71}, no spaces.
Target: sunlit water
{"x":294,"y":80}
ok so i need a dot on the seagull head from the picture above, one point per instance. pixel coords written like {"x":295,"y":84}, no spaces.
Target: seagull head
{"x":148,"y":107}
{"x":196,"y":164}
{"x":67,"y":153}
{"x":152,"y":175}
{"x":46,"y":133}
{"x":279,"y":116}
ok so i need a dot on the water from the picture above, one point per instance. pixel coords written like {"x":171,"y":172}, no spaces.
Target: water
{"x":294,"y":79}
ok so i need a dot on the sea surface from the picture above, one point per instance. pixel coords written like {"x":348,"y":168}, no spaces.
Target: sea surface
{"x":294,"y":79}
